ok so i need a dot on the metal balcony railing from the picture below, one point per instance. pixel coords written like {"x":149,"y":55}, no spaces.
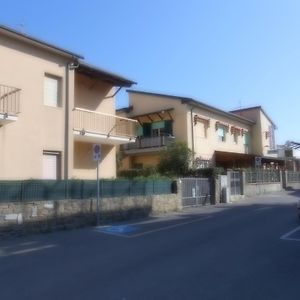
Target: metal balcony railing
{"x":149,"y":142}
{"x":9,"y":100}
{"x":87,"y":121}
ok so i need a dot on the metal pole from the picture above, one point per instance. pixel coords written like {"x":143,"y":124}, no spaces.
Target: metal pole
{"x":98,"y":193}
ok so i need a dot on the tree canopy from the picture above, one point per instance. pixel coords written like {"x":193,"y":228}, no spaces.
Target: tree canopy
{"x":175,"y":160}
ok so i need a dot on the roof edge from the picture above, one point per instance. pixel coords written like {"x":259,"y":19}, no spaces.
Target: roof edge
{"x":37,"y":42}
{"x":255,"y":107}
{"x":194,"y":102}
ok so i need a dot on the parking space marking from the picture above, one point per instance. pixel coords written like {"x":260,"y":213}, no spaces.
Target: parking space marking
{"x":287,"y":235}
{"x":168,"y":227}
{"x":4,"y":253}
{"x":130,"y":234}
{"x":262,"y":208}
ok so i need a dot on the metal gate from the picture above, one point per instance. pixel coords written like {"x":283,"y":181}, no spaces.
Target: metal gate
{"x":235,"y":183}
{"x":196,"y":191}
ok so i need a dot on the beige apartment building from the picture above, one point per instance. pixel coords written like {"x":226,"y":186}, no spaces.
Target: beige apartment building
{"x":53,"y":109}
{"x":237,"y":139}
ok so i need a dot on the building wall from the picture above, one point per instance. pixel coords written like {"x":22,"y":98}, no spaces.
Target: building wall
{"x":85,"y":166}
{"x":265,"y":139}
{"x":143,"y":104}
{"x":96,"y":95}
{"x":204,"y":143}
{"x":260,"y":144}
{"x":206,"y":140}
{"x":43,"y":128}
{"x":147,"y":160}
{"x":38,"y":127}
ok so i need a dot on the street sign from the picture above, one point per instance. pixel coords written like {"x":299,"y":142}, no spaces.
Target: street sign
{"x":257,"y":161}
{"x":96,"y":152}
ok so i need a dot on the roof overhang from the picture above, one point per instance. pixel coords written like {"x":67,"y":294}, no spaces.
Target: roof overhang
{"x":223,"y":156}
{"x":159,"y":115}
{"x":195,"y":103}
{"x":111,"y":78}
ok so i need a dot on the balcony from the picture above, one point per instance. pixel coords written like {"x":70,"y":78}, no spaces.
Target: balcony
{"x":96,"y":127}
{"x":9,"y":104}
{"x":148,"y":144}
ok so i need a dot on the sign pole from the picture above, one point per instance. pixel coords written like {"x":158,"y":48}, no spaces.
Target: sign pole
{"x":97,"y":158}
{"x":98,"y":193}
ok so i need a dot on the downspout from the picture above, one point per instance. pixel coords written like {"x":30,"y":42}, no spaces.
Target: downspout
{"x":193,"y":141}
{"x":69,"y":66}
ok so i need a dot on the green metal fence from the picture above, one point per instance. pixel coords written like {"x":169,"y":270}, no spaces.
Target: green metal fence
{"x":293,"y":176}
{"x":263,"y":176}
{"x":35,"y":190}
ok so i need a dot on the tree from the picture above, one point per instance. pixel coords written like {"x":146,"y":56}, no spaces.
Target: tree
{"x":175,"y":160}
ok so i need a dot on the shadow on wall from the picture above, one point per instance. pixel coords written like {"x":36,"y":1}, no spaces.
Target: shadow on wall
{"x":83,"y":155}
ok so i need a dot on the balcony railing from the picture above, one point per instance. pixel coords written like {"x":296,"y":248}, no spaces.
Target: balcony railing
{"x":9,"y":100}
{"x":86,"y":121}
{"x":148,"y":143}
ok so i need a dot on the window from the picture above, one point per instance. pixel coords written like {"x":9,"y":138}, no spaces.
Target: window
{"x":272,"y":137}
{"x":221,"y":134}
{"x":155,"y":129}
{"x":51,"y":165}
{"x":235,"y":138}
{"x":52,"y":93}
{"x":201,"y":131}
{"x":246,"y":142}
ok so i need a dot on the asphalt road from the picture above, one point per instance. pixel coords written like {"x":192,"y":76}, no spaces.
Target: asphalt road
{"x":234,"y":251}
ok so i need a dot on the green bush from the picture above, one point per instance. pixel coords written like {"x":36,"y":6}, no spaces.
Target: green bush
{"x":206,"y":172}
{"x":175,"y":160}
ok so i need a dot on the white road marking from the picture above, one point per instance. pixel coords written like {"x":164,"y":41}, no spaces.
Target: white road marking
{"x":286,"y":236}
{"x":262,"y":208}
{"x":158,"y":229}
{"x":24,"y":251}
{"x":168,"y":227}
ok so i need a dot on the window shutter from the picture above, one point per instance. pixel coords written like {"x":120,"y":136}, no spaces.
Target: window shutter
{"x":51,"y":88}
{"x":50,"y":166}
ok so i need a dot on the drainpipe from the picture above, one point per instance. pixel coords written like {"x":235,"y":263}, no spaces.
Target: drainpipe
{"x":193,"y":141}
{"x":69,"y":66}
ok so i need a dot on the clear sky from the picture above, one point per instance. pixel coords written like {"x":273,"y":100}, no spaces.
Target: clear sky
{"x":227,"y":53}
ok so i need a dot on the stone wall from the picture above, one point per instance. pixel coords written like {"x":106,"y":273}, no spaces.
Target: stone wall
{"x":17,"y":218}
{"x":255,"y":189}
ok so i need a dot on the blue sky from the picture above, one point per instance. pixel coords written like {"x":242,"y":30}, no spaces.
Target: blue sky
{"x":227,"y":53}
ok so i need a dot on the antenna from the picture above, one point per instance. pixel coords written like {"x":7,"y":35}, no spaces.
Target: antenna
{"x":240,"y":103}
{"x":21,"y":26}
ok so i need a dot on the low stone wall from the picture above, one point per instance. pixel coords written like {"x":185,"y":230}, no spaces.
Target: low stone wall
{"x":17,"y":218}
{"x":293,"y":185}
{"x":254,"y":189}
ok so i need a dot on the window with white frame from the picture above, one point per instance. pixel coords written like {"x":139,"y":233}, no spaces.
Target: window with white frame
{"x":51,"y":165}
{"x":221,"y":134}
{"x":52,"y":90}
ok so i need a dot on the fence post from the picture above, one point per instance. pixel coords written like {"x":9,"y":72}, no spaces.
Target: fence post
{"x":179,"y":194}
{"x":229,"y":185}
{"x":284,"y":179}
{"x":22,"y":191}
{"x":243,"y":182}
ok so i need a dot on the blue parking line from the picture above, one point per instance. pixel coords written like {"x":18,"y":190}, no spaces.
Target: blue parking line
{"x":118,"y":229}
